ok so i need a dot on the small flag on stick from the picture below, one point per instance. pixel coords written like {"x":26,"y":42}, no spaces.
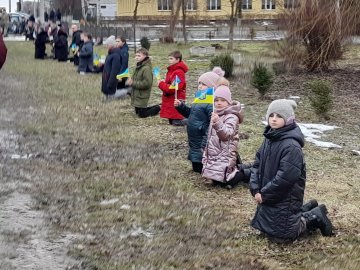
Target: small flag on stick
{"x":125,"y":74}
{"x":156,"y":72}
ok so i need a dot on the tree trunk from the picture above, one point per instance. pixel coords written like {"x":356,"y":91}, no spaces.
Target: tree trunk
{"x":174,"y":19}
{"x":134,"y":22}
{"x":184,"y":21}
{"x":231,"y":25}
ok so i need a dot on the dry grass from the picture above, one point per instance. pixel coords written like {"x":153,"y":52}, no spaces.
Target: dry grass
{"x":89,"y":151}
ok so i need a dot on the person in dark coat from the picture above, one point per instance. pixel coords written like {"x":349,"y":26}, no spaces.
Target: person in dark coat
{"x":46,"y":16}
{"x":3,"y":50}
{"x":199,"y":115}
{"x":40,"y":44}
{"x":111,"y":68}
{"x":85,"y":54}
{"x":175,"y":75}
{"x":52,"y":16}
{"x":58,"y":15}
{"x":61,"y":45}
{"x":76,"y":43}
{"x":278,"y":180}
{"x":123,"y":51}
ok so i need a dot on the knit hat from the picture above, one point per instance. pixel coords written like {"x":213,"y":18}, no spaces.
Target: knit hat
{"x":223,"y":92}
{"x":284,"y":108}
{"x":209,"y":79}
{"x":219,"y":71}
{"x":110,"y":41}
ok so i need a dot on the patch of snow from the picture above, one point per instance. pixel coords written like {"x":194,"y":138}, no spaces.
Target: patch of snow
{"x":108,"y":202}
{"x":356,"y":152}
{"x":313,"y":132}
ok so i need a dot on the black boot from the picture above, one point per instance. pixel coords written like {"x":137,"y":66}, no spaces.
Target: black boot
{"x":316,"y":218}
{"x":309,"y":205}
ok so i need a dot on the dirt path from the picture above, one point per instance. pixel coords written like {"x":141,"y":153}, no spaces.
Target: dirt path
{"x":26,"y":242}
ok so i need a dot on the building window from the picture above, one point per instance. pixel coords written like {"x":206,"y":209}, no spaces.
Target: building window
{"x":213,"y":4}
{"x":291,"y":3}
{"x":268,"y":4}
{"x":246,"y":4}
{"x":165,"y":4}
{"x":191,"y":5}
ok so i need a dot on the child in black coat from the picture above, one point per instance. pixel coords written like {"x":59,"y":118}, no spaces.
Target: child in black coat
{"x":278,"y":180}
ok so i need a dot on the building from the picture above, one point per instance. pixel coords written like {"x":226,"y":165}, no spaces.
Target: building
{"x":203,"y":10}
{"x":106,"y":8}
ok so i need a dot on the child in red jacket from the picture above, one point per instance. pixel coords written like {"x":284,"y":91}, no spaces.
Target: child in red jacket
{"x":173,"y":87}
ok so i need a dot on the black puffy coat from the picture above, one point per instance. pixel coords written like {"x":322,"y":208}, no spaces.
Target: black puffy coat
{"x":279,"y":175}
{"x":40,"y":45}
{"x":198,"y":124}
{"x":61,"y":46}
{"x":111,"y":69}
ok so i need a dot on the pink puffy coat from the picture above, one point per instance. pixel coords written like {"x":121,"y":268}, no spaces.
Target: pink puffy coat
{"x":219,"y":158}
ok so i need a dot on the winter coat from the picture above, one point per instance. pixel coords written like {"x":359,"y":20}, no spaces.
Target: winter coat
{"x":61,"y":46}
{"x":198,"y":115}
{"x":220,"y":153}
{"x":124,"y":56}
{"x":76,"y":39}
{"x":40,"y":45}
{"x":142,"y":83}
{"x":86,"y":63}
{"x":279,"y":175}
{"x":111,"y":69}
{"x":3,"y":51}
{"x":168,"y":96}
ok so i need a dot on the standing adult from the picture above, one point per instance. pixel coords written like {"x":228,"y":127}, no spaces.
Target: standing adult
{"x":46,"y":16}
{"x":3,"y":50}
{"x":52,"y":16}
{"x":76,"y":42}
{"x":58,"y":15}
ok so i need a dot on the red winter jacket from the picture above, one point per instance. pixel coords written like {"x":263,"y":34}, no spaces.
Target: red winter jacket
{"x":3,"y":51}
{"x":167,"y":105}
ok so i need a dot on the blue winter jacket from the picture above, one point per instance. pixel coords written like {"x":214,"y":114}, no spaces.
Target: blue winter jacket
{"x":198,"y":124}
{"x":86,"y":63}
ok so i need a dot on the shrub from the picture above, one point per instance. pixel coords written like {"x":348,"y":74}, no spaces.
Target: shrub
{"x":145,"y":43}
{"x":225,"y":61}
{"x":261,"y":78}
{"x":320,"y":97}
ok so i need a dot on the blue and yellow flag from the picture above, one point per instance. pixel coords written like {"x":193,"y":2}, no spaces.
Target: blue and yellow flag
{"x":156,"y":72}
{"x":204,"y":96}
{"x":175,"y":83}
{"x":125,"y":74}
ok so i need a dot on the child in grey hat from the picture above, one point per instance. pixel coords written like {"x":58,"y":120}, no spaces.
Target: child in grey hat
{"x":278,"y":180}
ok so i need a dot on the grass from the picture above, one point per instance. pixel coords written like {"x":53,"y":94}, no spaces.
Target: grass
{"x":90,"y":151}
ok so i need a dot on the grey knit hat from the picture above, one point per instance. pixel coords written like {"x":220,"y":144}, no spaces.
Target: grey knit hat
{"x":284,"y":108}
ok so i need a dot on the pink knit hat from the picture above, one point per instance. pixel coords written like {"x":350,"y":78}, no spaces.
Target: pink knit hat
{"x":219,"y":71}
{"x":223,"y":92}
{"x":209,"y":79}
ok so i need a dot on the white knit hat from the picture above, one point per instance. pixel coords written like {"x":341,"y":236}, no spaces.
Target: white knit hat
{"x":110,"y":41}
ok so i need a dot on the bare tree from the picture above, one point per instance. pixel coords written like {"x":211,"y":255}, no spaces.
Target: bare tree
{"x":137,"y":3}
{"x":322,"y":28}
{"x":184,"y":7}
{"x":235,"y":14}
